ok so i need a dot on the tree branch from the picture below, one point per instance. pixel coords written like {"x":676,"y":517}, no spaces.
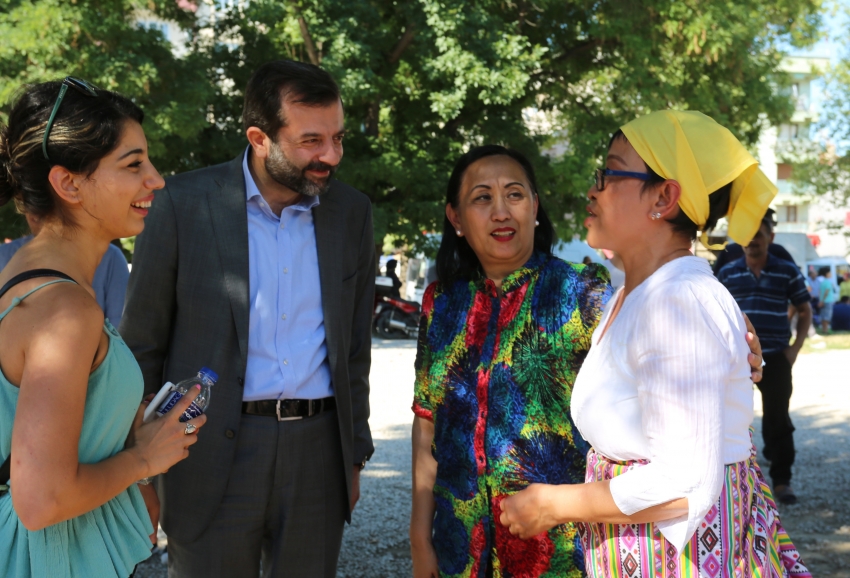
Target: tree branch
{"x":402,"y":44}
{"x":314,"y":55}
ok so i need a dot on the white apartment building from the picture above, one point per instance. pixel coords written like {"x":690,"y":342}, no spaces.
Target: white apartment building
{"x":801,"y":214}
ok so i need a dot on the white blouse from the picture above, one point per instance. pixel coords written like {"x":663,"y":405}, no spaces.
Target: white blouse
{"x":669,"y":382}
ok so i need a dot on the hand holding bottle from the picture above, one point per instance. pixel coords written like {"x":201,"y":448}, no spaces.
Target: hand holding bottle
{"x":165,"y":441}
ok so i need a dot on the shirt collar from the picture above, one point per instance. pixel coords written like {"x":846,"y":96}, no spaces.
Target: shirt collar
{"x":519,"y":277}
{"x":252,"y":191}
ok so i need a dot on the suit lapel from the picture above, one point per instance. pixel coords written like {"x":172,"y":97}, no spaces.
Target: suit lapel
{"x":229,"y":215}
{"x":329,"y":230}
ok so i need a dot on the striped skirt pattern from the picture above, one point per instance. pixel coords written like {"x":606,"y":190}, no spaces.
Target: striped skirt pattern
{"x":740,"y":537}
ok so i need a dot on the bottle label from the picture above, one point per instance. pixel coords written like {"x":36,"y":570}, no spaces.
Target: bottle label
{"x":191,"y":412}
{"x":169,"y":402}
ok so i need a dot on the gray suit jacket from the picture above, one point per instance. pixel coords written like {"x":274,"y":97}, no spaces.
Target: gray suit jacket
{"x":187,"y":307}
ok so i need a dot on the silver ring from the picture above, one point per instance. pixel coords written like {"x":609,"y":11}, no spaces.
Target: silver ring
{"x":190,"y":429}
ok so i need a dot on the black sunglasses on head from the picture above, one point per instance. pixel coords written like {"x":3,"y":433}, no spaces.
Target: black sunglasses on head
{"x":77,"y":84}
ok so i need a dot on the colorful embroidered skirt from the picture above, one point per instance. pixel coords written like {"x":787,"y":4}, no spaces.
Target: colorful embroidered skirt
{"x":740,"y":537}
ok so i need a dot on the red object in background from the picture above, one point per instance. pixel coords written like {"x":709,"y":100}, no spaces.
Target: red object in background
{"x":815,"y":239}
{"x":847,"y":219}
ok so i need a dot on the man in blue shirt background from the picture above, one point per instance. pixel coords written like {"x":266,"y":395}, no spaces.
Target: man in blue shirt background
{"x":110,"y":278}
{"x":763,"y":285}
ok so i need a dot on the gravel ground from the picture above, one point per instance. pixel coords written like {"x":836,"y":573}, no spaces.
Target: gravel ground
{"x":375,"y":545}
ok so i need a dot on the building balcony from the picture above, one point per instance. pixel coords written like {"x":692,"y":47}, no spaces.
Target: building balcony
{"x":792,"y":227}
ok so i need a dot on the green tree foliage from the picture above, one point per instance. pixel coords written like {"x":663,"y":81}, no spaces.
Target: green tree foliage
{"x":100,"y":40}
{"x":425,"y":80}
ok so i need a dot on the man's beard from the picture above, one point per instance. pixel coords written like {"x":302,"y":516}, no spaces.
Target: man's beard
{"x":288,"y":174}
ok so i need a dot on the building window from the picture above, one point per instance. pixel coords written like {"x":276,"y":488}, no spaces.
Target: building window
{"x":790,"y":213}
{"x":784,"y":171}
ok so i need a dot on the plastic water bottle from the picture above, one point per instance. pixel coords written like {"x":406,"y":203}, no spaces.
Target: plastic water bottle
{"x":170,"y":394}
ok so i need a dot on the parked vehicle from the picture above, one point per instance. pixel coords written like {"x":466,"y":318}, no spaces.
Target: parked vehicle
{"x":394,"y":317}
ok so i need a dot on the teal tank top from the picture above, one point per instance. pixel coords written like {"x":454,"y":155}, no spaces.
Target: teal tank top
{"x":111,"y":539}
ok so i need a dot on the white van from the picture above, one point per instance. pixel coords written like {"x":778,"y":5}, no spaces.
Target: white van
{"x":838,"y":265}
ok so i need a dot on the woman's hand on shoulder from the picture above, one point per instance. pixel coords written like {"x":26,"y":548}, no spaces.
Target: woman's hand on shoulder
{"x":754,"y":358}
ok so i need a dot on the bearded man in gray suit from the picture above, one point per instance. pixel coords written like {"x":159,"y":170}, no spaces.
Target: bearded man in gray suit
{"x":263,"y":269}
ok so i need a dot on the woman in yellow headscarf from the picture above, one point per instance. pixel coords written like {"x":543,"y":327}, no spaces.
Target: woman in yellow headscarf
{"x":664,"y":396}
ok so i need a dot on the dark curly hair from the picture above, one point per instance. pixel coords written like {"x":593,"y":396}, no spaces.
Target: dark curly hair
{"x":85,"y":130}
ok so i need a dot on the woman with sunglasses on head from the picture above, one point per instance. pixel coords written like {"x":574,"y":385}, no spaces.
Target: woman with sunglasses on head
{"x":71,"y":435}
{"x":664,"y":397}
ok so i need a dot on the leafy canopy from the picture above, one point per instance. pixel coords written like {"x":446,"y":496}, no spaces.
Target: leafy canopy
{"x":423,"y":81}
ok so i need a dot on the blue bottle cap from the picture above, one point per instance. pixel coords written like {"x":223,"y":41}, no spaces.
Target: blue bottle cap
{"x":209,"y":373}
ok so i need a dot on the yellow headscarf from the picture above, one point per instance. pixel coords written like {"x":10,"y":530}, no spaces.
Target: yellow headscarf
{"x":691,"y":148}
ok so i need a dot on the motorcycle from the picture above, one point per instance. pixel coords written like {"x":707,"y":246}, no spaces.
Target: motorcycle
{"x":394,"y":317}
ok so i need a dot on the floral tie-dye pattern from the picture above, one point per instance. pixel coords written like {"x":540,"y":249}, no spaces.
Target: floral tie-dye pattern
{"x":495,"y":375}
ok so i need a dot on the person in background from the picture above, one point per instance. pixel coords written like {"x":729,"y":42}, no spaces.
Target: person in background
{"x":763,"y":285}
{"x":827,"y":296}
{"x":110,"y":277}
{"x":587,"y":260}
{"x":75,"y":157}
{"x":664,"y":396}
{"x":263,"y":267}
{"x":844,"y":287}
{"x":734,"y":251}
{"x":841,"y":315}
{"x":392,"y":264}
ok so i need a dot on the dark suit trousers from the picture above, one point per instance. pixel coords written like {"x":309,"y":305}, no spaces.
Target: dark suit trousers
{"x":285,"y":504}
{"x":776,"y":427}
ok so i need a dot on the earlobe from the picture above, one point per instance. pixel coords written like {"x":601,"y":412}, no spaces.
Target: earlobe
{"x":451,"y":215}
{"x":668,"y":198}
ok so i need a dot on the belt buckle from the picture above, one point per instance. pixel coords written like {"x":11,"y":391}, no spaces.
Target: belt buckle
{"x":277,"y":411}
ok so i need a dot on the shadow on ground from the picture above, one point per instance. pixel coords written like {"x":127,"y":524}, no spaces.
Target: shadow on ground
{"x":819,"y":524}
{"x":375,"y":545}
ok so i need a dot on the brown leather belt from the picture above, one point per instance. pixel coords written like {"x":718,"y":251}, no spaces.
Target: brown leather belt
{"x":288,"y":409}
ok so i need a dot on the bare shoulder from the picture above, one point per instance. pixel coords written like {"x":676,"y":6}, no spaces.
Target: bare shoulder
{"x":64,"y":309}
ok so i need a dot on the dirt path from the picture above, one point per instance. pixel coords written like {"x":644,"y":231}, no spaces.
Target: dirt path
{"x":819,"y":524}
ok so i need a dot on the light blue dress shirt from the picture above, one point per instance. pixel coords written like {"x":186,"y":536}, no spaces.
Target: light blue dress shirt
{"x":109,"y":283}
{"x":287,"y":354}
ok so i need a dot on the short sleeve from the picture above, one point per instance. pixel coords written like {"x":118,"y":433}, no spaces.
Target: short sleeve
{"x":422,"y":405}
{"x":682,"y":352}
{"x":797,"y":292}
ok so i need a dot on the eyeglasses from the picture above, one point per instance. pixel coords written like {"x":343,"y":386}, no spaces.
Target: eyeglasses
{"x":602,"y":173}
{"x":77,"y":84}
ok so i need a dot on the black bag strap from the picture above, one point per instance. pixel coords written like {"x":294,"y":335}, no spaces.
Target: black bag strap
{"x":32,"y":274}
{"x":6,"y":468}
